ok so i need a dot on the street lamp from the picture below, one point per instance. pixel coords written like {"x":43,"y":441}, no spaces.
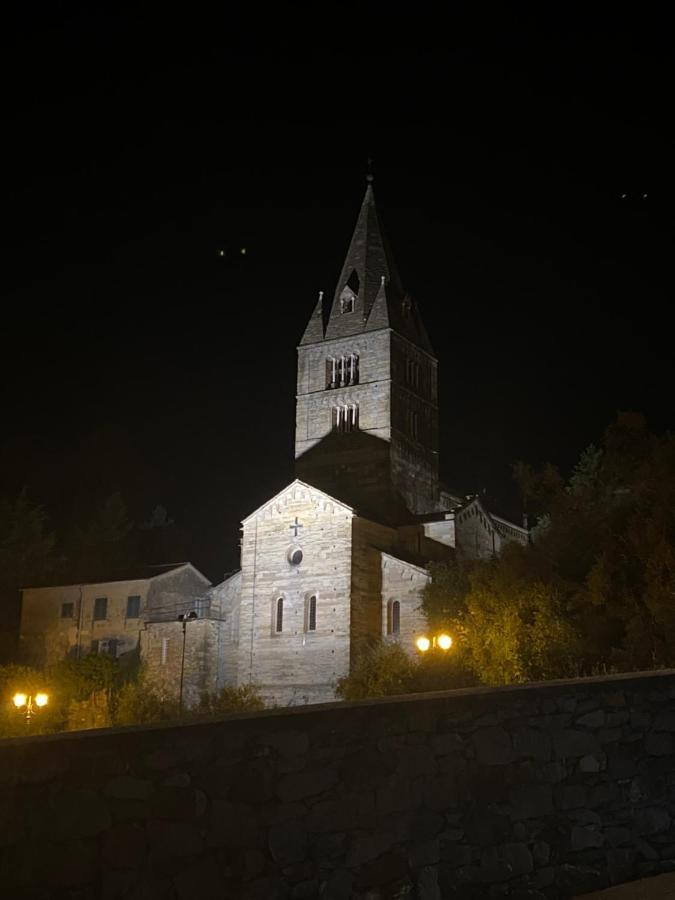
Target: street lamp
{"x":184,"y":618}
{"x":30,"y":704}
{"x":440,"y":641}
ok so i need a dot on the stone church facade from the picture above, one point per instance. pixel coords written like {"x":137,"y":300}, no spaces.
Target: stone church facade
{"x":337,"y":560}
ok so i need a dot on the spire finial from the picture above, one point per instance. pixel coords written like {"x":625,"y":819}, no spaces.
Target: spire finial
{"x":369,"y":172}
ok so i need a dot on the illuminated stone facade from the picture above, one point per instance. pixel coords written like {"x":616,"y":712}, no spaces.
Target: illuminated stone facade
{"x":337,"y":560}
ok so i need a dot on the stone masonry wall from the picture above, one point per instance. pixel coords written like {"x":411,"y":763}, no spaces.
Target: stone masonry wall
{"x":542,"y":791}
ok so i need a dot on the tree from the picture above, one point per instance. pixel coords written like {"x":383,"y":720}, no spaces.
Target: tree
{"x":27,"y":557}
{"x":382,"y":670}
{"x":596,"y":589}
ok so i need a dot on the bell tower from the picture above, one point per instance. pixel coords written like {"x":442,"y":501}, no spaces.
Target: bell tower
{"x":367,"y":405}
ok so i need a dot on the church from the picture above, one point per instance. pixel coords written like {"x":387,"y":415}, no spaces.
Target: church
{"x":337,"y":560}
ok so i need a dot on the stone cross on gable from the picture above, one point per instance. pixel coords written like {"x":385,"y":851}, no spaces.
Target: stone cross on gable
{"x":295,"y":526}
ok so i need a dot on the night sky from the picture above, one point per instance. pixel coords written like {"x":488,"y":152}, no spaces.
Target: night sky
{"x":138,"y":357}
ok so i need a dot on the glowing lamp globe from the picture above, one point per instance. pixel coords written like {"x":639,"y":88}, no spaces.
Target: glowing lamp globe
{"x":423,"y":644}
{"x":19,"y":700}
{"x":444,"y":641}
{"x":41,"y":699}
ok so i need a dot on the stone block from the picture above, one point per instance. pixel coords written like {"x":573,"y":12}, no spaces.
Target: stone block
{"x":455,"y":855}
{"x":620,"y":865}
{"x":485,"y":827}
{"x":493,"y":746}
{"x":541,"y":853}
{"x":427,"y":887}
{"x":530,"y":801}
{"x":175,"y":803}
{"x":168,"y":840}
{"x":71,"y":813}
{"x":308,"y":783}
{"x":287,"y":842}
{"x":659,"y":743}
{"x":595,"y":719}
{"x":124,"y":847}
{"x":343,"y":814}
{"x":397,"y":794}
{"x":423,"y":853}
{"x":616,"y":836}
{"x":505,"y":862}
{"x":287,"y":743}
{"x":305,"y":890}
{"x":388,"y":868}
{"x":531,"y":743}
{"x":414,"y":761}
{"x":444,"y":744}
{"x":126,"y":787}
{"x":199,"y":882}
{"x":582,"y":838}
{"x":440,"y":793}
{"x":339,"y":885}
{"x":570,"y":796}
{"x":571,"y":742}
{"x":651,"y":820}
{"x":665,"y":720}
{"x":591,"y":762}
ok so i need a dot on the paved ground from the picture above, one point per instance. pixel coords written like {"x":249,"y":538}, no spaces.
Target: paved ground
{"x":661,"y":887}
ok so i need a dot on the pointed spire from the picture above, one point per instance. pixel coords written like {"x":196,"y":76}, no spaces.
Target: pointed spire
{"x":368,"y":260}
{"x":314,"y":331}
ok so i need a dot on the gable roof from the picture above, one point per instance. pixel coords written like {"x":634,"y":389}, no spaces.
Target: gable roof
{"x":297,"y":483}
{"x":143,"y":573}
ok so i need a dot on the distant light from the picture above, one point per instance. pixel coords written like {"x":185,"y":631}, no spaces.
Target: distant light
{"x":19,"y":700}
{"x":423,"y":644}
{"x":41,"y":699}
{"x":623,"y":196}
{"x":221,"y":253}
{"x":243,"y":251}
{"x":644,"y":196}
{"x":444,"y":641}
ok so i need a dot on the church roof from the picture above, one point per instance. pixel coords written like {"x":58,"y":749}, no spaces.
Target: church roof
{"x":370,"y":281}
{"x":293,"y":487}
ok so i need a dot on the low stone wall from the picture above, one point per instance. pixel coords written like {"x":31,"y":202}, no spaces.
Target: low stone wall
{"x":539,"y":791}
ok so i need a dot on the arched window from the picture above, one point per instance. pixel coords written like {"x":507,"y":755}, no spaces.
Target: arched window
{"x":393,"y":617}
{"x":311,"y":613}
{"x":342,"y":371}
{"x":346,"y":302}
{"x":279,"y":615}
{"x":346,"y":417}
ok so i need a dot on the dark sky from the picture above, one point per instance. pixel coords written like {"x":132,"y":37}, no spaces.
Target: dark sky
{"x":139,"y":146}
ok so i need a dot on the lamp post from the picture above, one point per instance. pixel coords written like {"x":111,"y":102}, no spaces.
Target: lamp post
{"x":29,"y":704}
{"x":440,"y":641}
{"x":184,"y":618}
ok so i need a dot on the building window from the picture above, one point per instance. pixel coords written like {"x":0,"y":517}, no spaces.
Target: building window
{"x":342,"y":371}
{"x":133,"y":607}
{"x":394,"y":617}
{"x":105,"y":647}
{"x":67,"y":610}
{"x":164,"y":652}
{"x":413,"y":424}
{"x":310,"y":620}
{"x":346,"y":304}
{"x":346,"y":417}
{"x":412,"y":373}
{"x":294,"y":556}
{"x":279,"y":615}
{"x":100,"y":609}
